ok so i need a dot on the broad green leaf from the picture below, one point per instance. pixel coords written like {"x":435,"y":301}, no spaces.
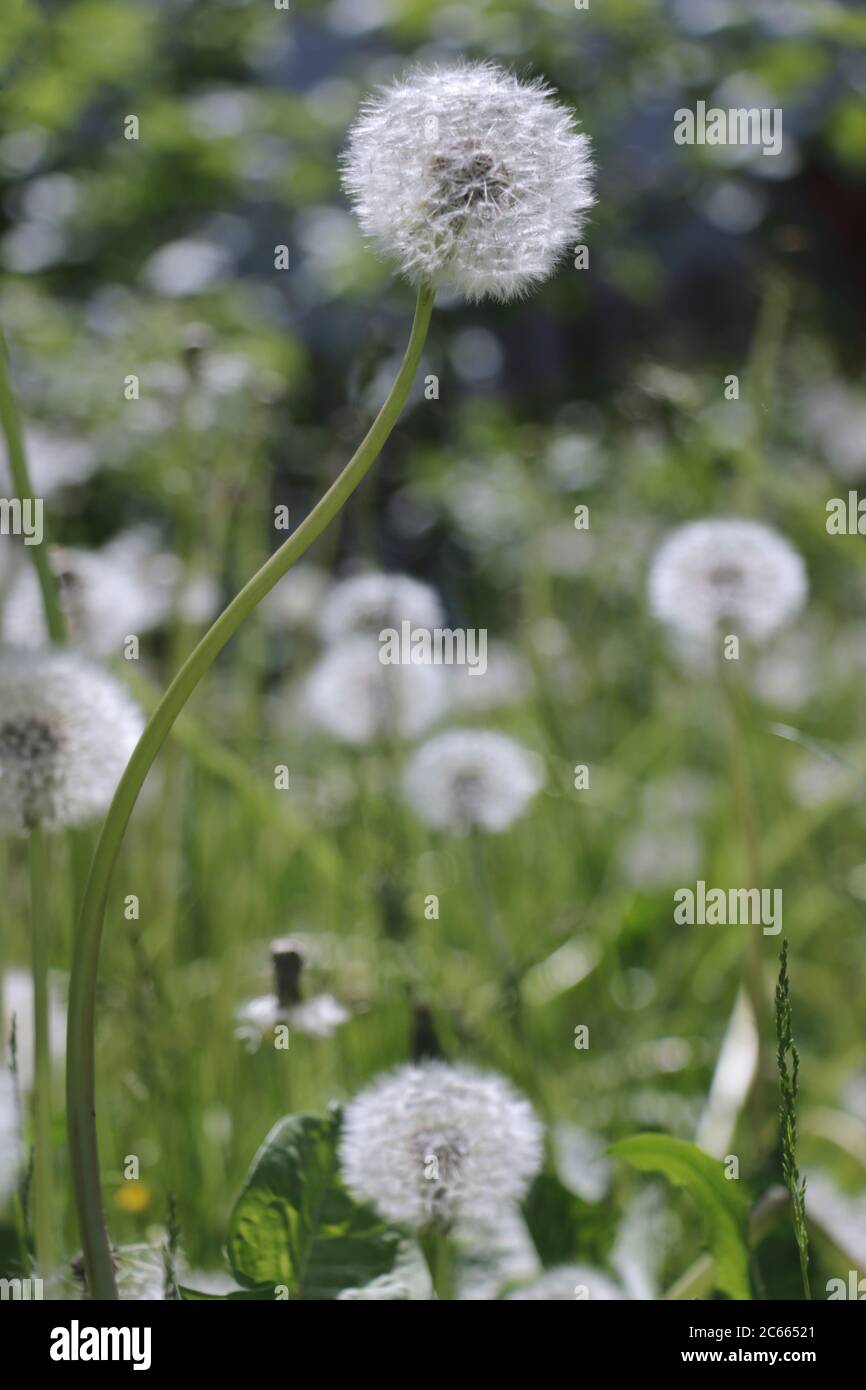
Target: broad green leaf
{"x":295,"y":1224}
{"x":723,"y":1205}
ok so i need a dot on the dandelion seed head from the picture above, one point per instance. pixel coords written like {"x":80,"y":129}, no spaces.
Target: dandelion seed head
{"x":127,"y":587}
{"x":367,"y":603}
{"x":471,"y":779}
{"x":726,"y":570}
{"x":470,"y":179}
{"x":317,"y":1017}
{"x":834,"y":418}
{"x":295,"y":601}
{"x":354,"y":698}
{"x":67,"y":730}
{"x":55,"y":461}
{"x":436,"y":1144}
{"x":506,"y":681}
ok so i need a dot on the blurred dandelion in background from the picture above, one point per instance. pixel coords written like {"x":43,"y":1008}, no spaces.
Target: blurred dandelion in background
{"x":67,"y":730}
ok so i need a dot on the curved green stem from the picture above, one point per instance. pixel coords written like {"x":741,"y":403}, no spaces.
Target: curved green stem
{"x":80,"y":1096}
{"x":23,"y":485}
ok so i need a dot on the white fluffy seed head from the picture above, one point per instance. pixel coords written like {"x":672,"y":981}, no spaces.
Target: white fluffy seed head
{"x":67,"y":730}
{"x":293,"y":603}
{"x":469,"y":779}
{"x":352,"y":696}
{"x":365,"y":604}
{"x":317,"y":1017}
{"x":469,"y":179}
{"x":129,"y":586}
{"x":55,"y":461}
{"x":439,"y":1145}
{"x":726,"y":571}
{"x":569,"y":1283}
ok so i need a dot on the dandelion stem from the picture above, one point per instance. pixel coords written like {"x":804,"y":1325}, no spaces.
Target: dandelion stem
{"x":438,"y":1252}
{"x":11,"y":425}
{"x":41,"y":1054}
{"x":80,"y":1090}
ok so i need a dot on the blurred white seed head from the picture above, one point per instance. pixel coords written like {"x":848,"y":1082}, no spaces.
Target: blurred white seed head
{"x":16,"y":995}
{"x":726,"y":571}
{"x":67,"y":730}
{"x":352,"y":696}
{"x":469,"y":179}
{"x":365,"y":604}
{"x":317,"y":1017}
{"x":469,"y":779}
{"x":834,"y":417}
{"x":294,"y":603}
{"x":439,"y":1145}
{"x":55,"y":461}
{"x":127,"y":587}
{"x":506,"y":681}
{"x":569,"y":1283}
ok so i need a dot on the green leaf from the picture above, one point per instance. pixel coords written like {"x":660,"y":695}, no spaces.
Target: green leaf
{"x":263,"y":1295}
{"x":295,"y":1224}
{"x":550,"y":1212}
{"x":563,"y":1227}
{"x":722,"y":1204}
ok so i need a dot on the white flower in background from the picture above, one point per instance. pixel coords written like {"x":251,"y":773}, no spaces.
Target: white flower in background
{"x":570,"y":1284}
{"x":506,"y":681}
{"x":565,"y":552}
{"x":582,"y":1161}
{"x":815,"y":781}
{"x":726,"y":571}
{"x":842,"y":1217}
{"x":67,"y":730}
{"x":682,"y":795}
{"x":54,"y":461}
{"x":352,"y":696}
{"x":127,"y":587}
{"x":367,"y":603}
{"x":436,"y":1144}
{"x":834,"y":415}
{"x":653,"y":855}
{"x":471,"y":779}
{"x":489,"y":502}
{"x":496,"y":1256}
{"x":294,"y":602}
{"x":189,"y":266}
{"x":17,"y":998}
{"x":10,"y":1141}
{"x":317,"y":1017}
{"x":469,"y":179}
